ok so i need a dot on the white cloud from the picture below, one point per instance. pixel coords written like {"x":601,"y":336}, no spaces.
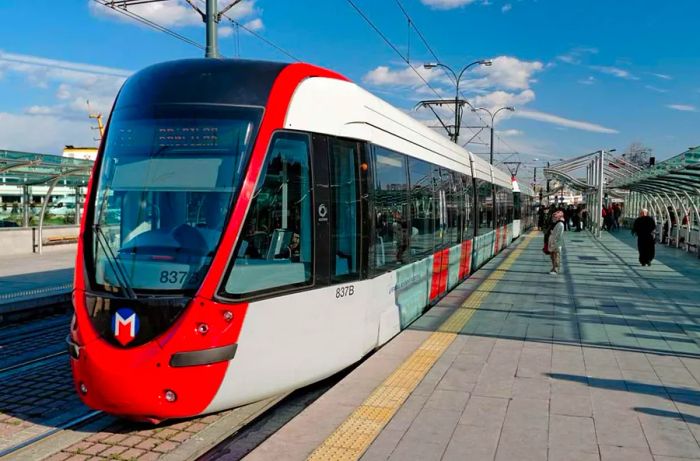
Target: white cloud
{"x":615,"y":71}
{"x":48,"y":133}
{"x":173,"y":13}
{"x":682,"y":107}
{"x":661,"y":76}
{"x":406,"y":77}
{"x":590,"y":80}
{"x":500,"y":98}
{"x":506,"y":8}
{"x":446,"y":4}
{"x":55,"y":69}
{"x":656,"y":89}
{"x":506,"y":72}
{"x":564,"y":122}
{"x":511,"y":132}
{"x":224,"y":31}
{"x":75,"y":82}
{"x":40,"y":110}
{"x":255,"y":25}
{"x":576,"y":55}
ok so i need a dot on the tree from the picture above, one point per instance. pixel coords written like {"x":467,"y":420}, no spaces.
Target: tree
{"x":638,"y":154}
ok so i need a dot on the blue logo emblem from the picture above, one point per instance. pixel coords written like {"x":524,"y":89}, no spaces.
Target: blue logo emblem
{"x":125,"y":325}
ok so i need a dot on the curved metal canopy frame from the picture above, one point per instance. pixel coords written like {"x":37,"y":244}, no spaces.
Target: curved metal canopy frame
{"x":25,"y":169}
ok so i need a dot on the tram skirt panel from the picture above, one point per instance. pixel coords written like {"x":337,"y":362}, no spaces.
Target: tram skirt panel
{"x":455,"y":271}
{"x":412,"y":289}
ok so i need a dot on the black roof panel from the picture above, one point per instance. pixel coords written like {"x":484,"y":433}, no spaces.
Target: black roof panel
{"x":202,"y":81}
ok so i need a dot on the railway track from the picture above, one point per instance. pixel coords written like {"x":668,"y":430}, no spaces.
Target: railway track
{"x":8,"y":371}
{"x":54,"y":426}
{"x":71,"y":424}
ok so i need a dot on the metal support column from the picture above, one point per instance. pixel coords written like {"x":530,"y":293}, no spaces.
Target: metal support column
{"x":77,"y":206}
{"x":211,"y":19}
{"x":601,"y":188}
{"x":41,"y":214}
{"x":25,"y":206}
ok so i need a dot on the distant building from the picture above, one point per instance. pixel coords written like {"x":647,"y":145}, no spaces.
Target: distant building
{"x":82,"y":153}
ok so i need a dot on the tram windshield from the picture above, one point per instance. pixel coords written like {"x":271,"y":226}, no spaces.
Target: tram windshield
{"x":166,"y":183}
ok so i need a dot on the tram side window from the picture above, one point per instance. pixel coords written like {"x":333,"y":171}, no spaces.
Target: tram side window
{"x":345,"y":195}
{"x":468,"y":192}
{"x":453,"y":207}
{"x":517,"y":206}
{"x":276,"y":245}
{"x":500,"y":207}
{"x":508,"y":194}
{"x":423,"y":208}
{"x":485,"y":203}
{"x":391,"y":219}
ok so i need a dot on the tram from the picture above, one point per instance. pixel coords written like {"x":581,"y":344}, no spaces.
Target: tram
{"x":524,"y":208}
{"x":253,"y":227}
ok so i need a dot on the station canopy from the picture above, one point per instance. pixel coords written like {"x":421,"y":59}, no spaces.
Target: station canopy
{"x":29,"y":169}
{"x":679,"y":173}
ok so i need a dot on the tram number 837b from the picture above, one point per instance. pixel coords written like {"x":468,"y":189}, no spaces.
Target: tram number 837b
{"x":342,"y":292}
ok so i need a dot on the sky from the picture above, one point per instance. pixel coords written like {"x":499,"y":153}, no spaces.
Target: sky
{"x":582,"y":75}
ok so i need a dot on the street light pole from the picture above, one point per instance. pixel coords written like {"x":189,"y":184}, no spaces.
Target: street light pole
{"x":493,"y":117}
{"x":458,"y":113}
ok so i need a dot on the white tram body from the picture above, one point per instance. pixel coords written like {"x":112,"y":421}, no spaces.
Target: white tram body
{"x":293,"y":340}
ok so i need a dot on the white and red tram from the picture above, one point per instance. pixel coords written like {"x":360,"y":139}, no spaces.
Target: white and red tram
{"x":254,"y":227}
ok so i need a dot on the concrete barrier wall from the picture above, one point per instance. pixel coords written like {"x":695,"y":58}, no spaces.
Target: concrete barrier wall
{"x":18,"y":241}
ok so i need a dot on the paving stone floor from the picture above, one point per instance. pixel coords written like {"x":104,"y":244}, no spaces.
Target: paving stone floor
{"x":32,"y":275}
{"x":601,"y":362}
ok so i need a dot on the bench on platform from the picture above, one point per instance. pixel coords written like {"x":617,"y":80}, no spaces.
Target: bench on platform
{"x":60,"y":239}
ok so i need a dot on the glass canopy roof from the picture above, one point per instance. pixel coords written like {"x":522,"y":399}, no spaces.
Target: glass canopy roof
{"x":29,"y":169}
{"x":679,"y":173}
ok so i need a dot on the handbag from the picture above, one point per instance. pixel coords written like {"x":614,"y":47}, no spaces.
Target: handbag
{"x":545,"y":248}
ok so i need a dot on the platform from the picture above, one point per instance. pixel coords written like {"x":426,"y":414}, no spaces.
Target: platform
{"x":601,"y":362}
{"x":27,"y":281}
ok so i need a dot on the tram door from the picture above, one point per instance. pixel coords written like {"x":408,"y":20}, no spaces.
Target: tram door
{"x":341,"y":255}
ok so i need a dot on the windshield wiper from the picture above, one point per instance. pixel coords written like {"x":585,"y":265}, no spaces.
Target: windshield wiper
{"x":114,"y":262}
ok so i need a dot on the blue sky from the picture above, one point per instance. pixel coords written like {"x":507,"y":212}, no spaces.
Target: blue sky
{"x":582,"y":75}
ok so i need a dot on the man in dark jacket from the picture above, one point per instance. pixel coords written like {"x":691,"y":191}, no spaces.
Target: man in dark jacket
{"x":644,"y":228}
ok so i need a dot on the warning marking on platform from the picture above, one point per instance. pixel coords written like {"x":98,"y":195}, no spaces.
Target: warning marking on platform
{"x":352,"y":438}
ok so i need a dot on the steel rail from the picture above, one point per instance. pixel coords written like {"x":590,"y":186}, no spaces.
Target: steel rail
{"x":37,"y":438}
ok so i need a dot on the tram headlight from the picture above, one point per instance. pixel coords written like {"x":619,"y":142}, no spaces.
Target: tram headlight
{"x":170,"y":396}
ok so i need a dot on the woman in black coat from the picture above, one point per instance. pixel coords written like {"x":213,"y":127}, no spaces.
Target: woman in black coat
{"x":645,"y":229}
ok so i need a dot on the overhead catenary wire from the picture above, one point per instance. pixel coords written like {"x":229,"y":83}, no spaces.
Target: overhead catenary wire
{"x":392,"y":46}
{"x":149,"y":23}
{"x":260,"y":37}
{"x":432,"y":52}
{"x":267,"y":41}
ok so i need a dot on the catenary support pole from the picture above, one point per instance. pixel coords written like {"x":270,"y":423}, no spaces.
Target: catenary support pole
{"x":211,"y":18}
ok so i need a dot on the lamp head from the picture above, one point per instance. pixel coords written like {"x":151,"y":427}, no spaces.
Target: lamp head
{"x":429,"y":65}
{"x":510,"y":108}
{"x":486,"y":62}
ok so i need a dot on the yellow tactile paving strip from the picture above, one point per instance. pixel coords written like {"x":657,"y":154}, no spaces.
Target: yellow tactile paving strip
{"x":352,"y":438}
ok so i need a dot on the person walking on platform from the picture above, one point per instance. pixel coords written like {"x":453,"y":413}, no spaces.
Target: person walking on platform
{"x":644,"y":228}
{"x":556,"y":241}
{"x":540,"y":217}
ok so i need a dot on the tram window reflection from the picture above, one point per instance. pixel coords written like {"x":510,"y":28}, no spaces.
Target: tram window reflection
{"x":345,"y":224}
{"x":485,"y":223}
{"x":276,"y":246}
{"x":424,"y":211}
{"x":391,"y":223}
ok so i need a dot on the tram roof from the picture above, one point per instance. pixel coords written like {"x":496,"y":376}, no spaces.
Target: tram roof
{"x":32,"y":169}
{"x":677,"y":174}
